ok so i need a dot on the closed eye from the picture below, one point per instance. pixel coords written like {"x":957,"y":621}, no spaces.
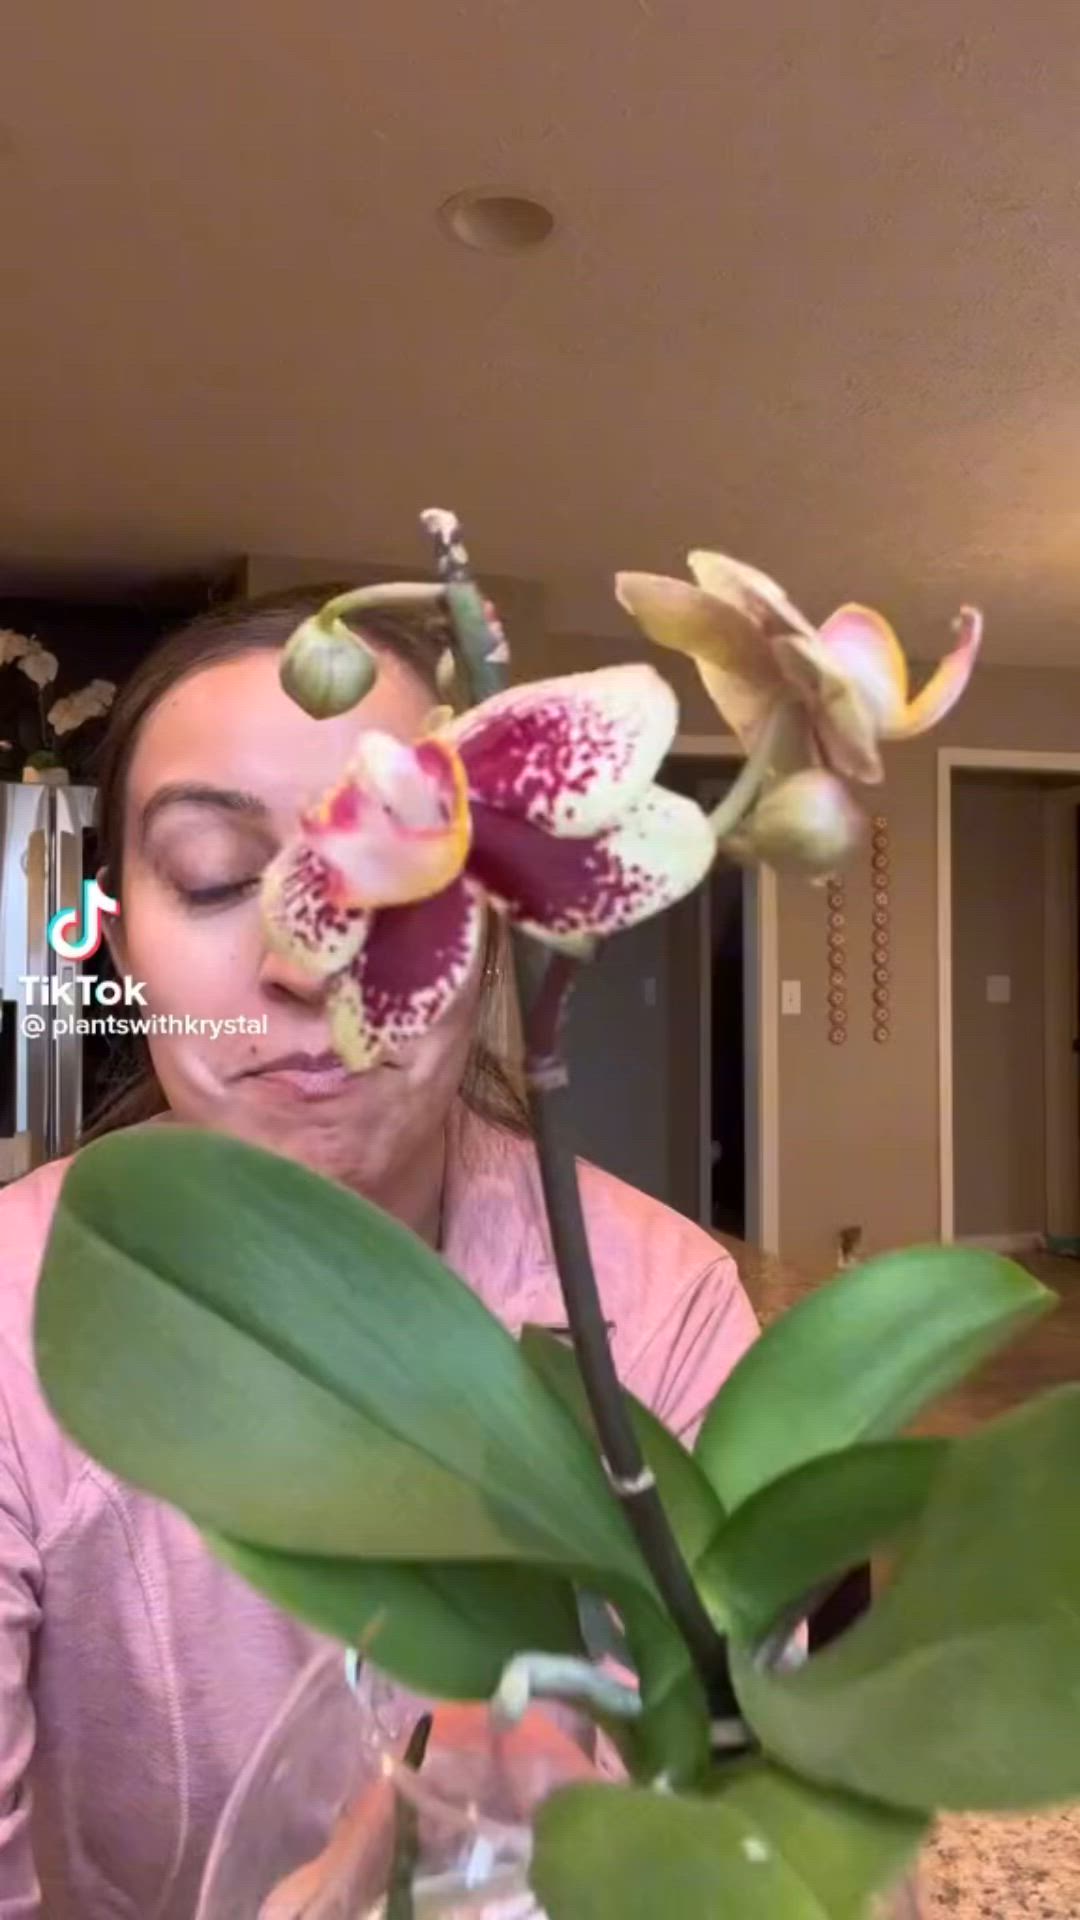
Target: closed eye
{"x":217,"y":896}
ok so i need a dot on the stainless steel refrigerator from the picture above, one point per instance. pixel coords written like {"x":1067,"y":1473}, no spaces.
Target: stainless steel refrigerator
{"x":49,"y":1082}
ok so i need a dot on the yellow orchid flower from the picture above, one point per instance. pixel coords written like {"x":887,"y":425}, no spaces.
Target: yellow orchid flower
{"x":847,"y":680}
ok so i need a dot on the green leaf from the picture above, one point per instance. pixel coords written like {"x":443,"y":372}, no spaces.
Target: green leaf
{"x":294,"y":1368}
{"x":960,"y":1688}
{"x":857,"y":1359}
{"x":691,"y":1505}
{"x":441,"y":1629}
{"x":811,"y":1525}
{"x":671,"y":1739}
{"x":762,"y":1847}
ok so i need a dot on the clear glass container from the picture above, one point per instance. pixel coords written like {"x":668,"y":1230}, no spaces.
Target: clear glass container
{"x":310,"y":1827}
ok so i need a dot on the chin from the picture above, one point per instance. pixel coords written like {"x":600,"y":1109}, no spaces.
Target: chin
{"x":355,"y":1133}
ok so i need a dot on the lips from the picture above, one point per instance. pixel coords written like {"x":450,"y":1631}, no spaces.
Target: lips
{"x":300,"y":1062}
{"x":308,"y":1076}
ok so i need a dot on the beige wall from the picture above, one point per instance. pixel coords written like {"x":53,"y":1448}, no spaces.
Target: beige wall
{"x":998,"y":1047}
{"x":859,"y":1124}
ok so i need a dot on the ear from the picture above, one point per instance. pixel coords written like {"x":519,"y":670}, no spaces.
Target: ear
{"x":112,"y":926}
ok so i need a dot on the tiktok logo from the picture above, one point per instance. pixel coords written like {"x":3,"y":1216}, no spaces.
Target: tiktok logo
{"x":76,"y":932}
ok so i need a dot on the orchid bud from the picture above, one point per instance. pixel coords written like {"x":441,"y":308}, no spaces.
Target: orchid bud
{"x":807,"y":823}
{"x":326,"y":668}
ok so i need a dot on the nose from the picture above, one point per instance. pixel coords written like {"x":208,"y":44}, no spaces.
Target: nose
{"x":282,"y":979}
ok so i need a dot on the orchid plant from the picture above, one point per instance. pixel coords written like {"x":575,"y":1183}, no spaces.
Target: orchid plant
{"x":485,"y":1518}
{"x":71,"y":711}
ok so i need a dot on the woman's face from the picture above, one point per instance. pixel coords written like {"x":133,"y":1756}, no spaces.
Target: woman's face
{"x":222,"y":766}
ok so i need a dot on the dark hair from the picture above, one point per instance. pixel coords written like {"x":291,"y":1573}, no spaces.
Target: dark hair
{"x":414,"y":637}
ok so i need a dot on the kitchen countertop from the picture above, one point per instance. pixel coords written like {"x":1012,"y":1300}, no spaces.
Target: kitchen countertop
{"x":1017,"y":1869}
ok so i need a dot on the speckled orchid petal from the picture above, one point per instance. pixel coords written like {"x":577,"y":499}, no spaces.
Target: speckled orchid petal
{"x":842,"y":719}
{"x":944,"y":687}
{"x":747,"y":592}
{"x":304,"y":917}
{"x":567,"y":891}
{"x":396,"y":827}
{"x":732,"y":654}
{"x":412,"y":966}
{"x":568,"y":754}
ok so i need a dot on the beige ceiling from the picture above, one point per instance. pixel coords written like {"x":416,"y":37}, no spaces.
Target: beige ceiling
{"x":815,"y":295}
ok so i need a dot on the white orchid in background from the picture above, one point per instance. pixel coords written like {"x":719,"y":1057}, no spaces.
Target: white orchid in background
{"x":70,"y":711}
{"x":74,"y":709}
{"x":38,"y":664}
{"x":799,"y":698}
{"x":13,"y":645}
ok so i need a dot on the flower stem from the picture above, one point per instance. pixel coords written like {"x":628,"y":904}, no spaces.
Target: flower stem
{"x":548,"y":1082}
{"x":484,"y":657}
{"x":745,"y":788}
{"x":399,"y":1893}
{"x":394,"y":593}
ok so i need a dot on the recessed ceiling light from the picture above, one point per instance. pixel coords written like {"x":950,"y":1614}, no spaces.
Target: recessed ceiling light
{"x":497,"y":220}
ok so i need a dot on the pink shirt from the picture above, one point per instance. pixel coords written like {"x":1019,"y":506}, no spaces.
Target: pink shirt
{"x":136,"y":1674}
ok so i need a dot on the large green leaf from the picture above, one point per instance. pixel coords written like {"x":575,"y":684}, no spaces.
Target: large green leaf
{"x":762,"y":1847}
{"x":960,"y":1687}
{"x":857,"y":1359}
{"x":294,"y":1368}
{"x":441,"y":1629}
{"x":692,"y":1507}
{"x":803,"y":1530}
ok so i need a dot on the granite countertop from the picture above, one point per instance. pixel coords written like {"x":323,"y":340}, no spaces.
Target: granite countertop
{"x":1023,"y":1868}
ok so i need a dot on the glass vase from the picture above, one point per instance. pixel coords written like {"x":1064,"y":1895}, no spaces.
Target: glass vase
{"x":312,"y":1826}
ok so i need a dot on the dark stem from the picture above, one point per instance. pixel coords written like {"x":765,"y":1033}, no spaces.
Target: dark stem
{"x":484,"y":657}
{"x":403,"y":1864}
{"x":548,"y":1080}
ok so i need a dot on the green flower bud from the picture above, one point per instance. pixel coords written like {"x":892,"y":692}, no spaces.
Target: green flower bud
{"x":806,"y":823}
{"x":326,"y":668}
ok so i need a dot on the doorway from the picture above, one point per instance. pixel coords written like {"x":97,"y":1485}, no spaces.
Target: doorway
{"x":672,"y":1041}
{"x":1009,"y":996}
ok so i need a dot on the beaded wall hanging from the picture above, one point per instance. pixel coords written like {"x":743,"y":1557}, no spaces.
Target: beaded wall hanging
{"x":836,"y":947}
{"x":879,"y":938}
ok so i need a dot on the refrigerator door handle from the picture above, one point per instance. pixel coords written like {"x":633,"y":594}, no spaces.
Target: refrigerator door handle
{"x":39,"y":1047}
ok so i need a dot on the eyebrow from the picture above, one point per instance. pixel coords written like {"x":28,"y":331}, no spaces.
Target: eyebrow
{"x":196,"y":793}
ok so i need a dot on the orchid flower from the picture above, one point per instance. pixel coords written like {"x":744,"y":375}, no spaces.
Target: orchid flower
{"x":73,"y":710}
{"x":756,"y":652}
{"x":38,"y":664}
{"x":13,"y":645}
{"x":802,"y":701}
{"x":541,"y":801}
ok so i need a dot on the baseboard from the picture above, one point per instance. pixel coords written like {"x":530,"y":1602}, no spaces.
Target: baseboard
{"x":1003,"y":1242}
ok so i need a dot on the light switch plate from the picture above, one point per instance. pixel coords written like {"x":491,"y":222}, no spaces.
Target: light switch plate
{"x":791,"y":996}
{"x":998,"y":989}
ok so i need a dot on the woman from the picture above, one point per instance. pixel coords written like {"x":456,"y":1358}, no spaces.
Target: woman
{"x":135,"y":1672}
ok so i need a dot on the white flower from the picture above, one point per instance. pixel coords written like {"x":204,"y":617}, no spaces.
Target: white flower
{"x":38,"y":664}
{"x":100,"y":695}
{"x":74,"y":709}
{"x":13,"y":645}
